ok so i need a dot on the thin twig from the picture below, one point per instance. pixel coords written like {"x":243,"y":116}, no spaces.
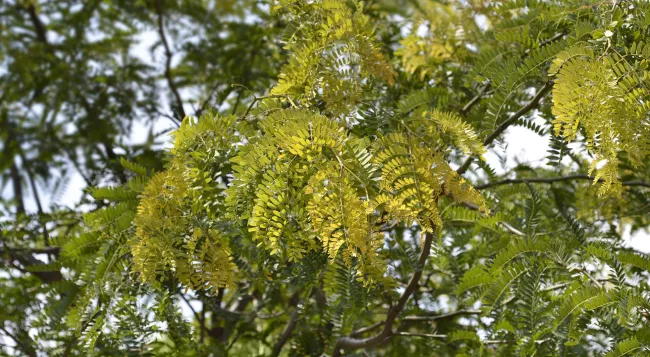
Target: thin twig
{"x":584,"y":272}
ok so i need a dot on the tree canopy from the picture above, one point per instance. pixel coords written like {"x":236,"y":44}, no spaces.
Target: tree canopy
{"x":334,"y":181}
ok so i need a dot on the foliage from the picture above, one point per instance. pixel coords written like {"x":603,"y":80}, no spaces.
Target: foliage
{"x":319,"y":195}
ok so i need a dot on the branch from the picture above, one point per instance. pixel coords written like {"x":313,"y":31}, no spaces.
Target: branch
{"x":114,"y":160}
{"x":196,"y":314}
{"x":29,"y":350}
{"x":207,"y":100}
{"x":481,"y":92}
{"x":474,"y":100}
{"x":443,"y":316}
{"x":354,"y":343}
{"x":230,"y":324}
{"x":361,"y":331}
{"x":18,"y":189}
{"x":555,"y":37}
{"x":26,"y":259}
{"x":288,"y":330}
{"x":505,"y":224}
{"x":512,"y":229}
{"x":442,"y":337}
{"x":409,"y":334}
{"x":14,"y":171}
{"x":256,"y":99}
{"x":168,"y":62}
{"x":521,"y":112}
{"x":46,"y":250}
{"x":37,"y":199}
{"x":541,"y":93}
{"x":551,"y":180}
{"x":41,"y":32}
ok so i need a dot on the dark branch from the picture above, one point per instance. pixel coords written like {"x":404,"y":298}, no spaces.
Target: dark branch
{"x":29,"y":350}
{"x":207,"y":100}
{"x":41,"y":32}
{"x":18,"y":189}
{"x":196,"y":314}
{"x":45,"y":250}
{"x":541,"y":93}
{"x":555,"y":37}
{"x":37,"y":198}
{"x":482,"y":91}
{"x":351,"y":343}
{"x":168,"y":62}
{"x":521,"y":112}
{"x":25,"y":259}
{"x":230,"y":324}
{"x":551,"y":180}
{"x":115,"y":161}
{"x":288,"y":330}
{"x":475,"y":100}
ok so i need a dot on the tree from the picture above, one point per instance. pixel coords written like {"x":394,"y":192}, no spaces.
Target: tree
{"x":330,"y":192}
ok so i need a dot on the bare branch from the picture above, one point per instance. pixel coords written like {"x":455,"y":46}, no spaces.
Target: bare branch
{"x":442,"y":337}
{"x":288,"y":330}
{"x":18,"y":189}
{"x":207,"y":99}
{"x":196,"y":314}
{"x":26,"y":259}
{"x":512,"y":229}
{"x":256,"y":99}
{"x":475,"y":100}
{"x":555,"y":37}
{"x":37,"y":199}
{"x":429,"y":335}
{"x":41,"y":32}
{"x":361,"y":331}
{"x":551,"y":180}
{"x":351,"y":343}
{"x":29,"y":350}
{"x":443,"y":316}
{"x":45,"y":250}
{"x":533,"y":103}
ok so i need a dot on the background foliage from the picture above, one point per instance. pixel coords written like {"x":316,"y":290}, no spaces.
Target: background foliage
{"x":326,"y":190}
